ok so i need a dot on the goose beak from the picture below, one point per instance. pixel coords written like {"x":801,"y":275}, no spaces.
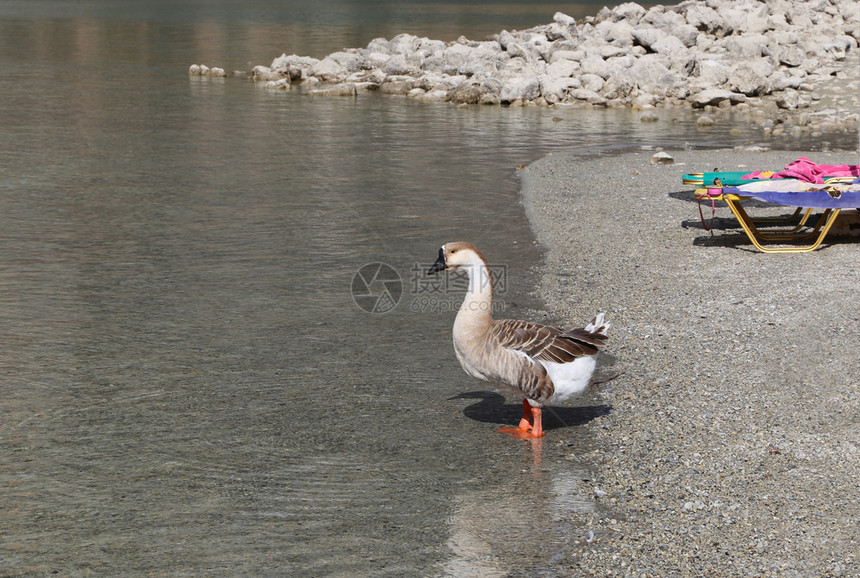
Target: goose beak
{"x":439,"y":265}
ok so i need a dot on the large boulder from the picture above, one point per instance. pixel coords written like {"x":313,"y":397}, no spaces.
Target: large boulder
{"x":670,"y":46}
{"x":294,"y":66}
{"x":629,"y":11}
{"x":688,"y":35}
{"x":399,"y":65}
{"x":751,"y":18}
{"x":751,"y":77}
{"x":746,"y":46}
{"x":266,"y":74}
{"x":562,"y":68}
{"x":557,"y":89}
{"x":520,"y":88}
{"x":336,"y":66}
{"x":791,"y":55}
{"x":706,"y":19}
{"x":648,"y":73}
{"x":715,"y":96}
{"x":620,"y":33}
{"x":588,"y":96}
{"x":467,"y":92}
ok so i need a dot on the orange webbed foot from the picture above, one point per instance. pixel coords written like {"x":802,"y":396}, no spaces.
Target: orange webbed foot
{"x":512,"y":430}
{"x":527,"y":435}
{"x":531,"y":425}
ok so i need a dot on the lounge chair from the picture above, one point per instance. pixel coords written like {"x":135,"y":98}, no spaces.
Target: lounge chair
{"x":832,"y":196}
{"x":721,"y":178}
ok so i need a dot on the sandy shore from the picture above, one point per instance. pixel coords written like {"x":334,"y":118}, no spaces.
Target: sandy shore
{"x":733,"y":443}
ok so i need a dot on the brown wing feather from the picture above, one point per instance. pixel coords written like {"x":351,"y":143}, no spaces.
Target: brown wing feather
{"x":546,"y":342}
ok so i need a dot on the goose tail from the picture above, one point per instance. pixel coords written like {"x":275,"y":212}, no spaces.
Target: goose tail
{"x":597,"y":325}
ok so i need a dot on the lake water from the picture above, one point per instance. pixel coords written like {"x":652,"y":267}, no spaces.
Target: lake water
{"x":187,"y":384}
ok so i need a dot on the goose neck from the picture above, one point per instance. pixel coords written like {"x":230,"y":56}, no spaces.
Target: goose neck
{"x":479,"y":297}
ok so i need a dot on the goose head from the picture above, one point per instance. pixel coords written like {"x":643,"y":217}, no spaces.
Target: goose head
{"x":455,"y":255}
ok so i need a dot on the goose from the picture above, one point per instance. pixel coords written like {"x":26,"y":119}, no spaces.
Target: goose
{"x":540,"y":363}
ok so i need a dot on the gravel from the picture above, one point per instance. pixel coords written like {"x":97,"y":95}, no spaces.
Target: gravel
{"x":732,"y":447}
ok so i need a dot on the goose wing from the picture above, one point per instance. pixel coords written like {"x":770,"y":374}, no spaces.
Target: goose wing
{"x":545,"y":342}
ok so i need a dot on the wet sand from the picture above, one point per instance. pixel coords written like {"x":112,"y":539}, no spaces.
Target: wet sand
{"x":732,"y":446}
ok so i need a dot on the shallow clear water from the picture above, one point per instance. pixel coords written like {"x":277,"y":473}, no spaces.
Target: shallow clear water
{"x":186,"y":382}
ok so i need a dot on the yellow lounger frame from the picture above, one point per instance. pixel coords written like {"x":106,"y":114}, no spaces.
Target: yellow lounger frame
{"x":758,"y":237}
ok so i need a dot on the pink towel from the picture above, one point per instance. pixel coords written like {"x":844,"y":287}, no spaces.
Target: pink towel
{"x":805,"y":170}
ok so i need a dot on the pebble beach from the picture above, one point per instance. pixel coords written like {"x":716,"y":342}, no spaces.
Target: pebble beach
{"x":732,"y":447}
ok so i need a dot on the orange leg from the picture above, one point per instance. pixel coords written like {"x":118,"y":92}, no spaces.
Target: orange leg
{"x":531,"y":425}
{"x":526,"y":422}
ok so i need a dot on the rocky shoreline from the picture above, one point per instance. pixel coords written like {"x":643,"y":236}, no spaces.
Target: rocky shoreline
{"x":772,"y":60}
{"x":732,"y":447}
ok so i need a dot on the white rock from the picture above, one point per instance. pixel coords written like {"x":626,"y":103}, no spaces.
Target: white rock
{"x":630,"y":11}
{"x":555,"y":89}
{"x":556,"y":31}
{"x":296,"y":67}
{"x":751,"y":18}
{"x":644,"y":100}
{"x":616,"y":64}
{"x":669,"y":45}
{"x":435,"y":95}
{"x":663,"y":158}
{"x":400,"y":85}
{"x":611,"y":50}
{"x":264,"y":73}
{"x":750,"y":77}
{"x":705,"y":18}
{"x":788,"y":100}
{"x":705,"y":121}
{"x":403,"y":44}
{"x":329,"y":69}
{"x":398,"y":65}
{"x":687,"y":34}
{"x":282,"y":84}
{"x":646,"y":37}
{"x":514,"y":48}
{"x":377,"y":59}
{"x":620,"y":33}
{"x":646,"y":73}
{"x":792,"y":55}
{"x":714,"y":97}
{"x":380,"y":45}
{"x":520,"y":88}
{"x":713,"y":72}
{"x":593,"y":65}
{"x":468,"y":92}
{"x":427,"y":47}
{"x":780,"y":81}
{"x":839,"y":46}
{"x":346,"y":89}
{"x":374,"y":76}
{"x":746,"y":45}
{"x":588,"y":96}
{"x":592,"y":82}
{"x":564,"y":19}
{"x":574,"y":55}
{"x":562,"y":68}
